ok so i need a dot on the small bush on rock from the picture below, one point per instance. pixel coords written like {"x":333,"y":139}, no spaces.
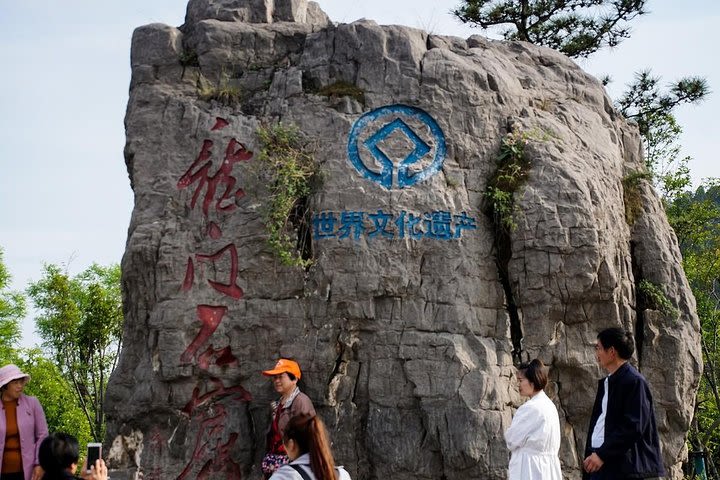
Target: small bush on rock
{"x":287,"y":159}
{"x":654,"y":298}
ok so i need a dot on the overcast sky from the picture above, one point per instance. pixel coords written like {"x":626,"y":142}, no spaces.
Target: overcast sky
{"x":64,"y":191}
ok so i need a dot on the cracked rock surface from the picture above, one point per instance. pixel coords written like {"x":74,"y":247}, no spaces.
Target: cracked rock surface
{"x":403,"y":333}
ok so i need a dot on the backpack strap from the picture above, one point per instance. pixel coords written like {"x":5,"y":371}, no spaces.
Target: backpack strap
{"x":301,"y":471}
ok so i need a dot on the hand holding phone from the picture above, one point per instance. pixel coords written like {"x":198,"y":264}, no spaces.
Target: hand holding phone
{"x":94,"y":452}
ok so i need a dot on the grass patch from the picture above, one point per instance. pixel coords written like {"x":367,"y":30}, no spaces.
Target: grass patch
{"x":292,"y":173}
{"x":653,"y":297}
{"x":511,"y":174}
{"x":632,"y":199}
{"x":343,"y":89}
{"x":223,"y":92}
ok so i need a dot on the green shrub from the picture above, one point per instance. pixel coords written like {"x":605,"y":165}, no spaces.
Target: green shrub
{"x":189,"y":58}
{"x":653,"y":297}
{"x":632,"y":199}
{"x":343,"y":89}
{"x":288,"y":161}
{"x":224,"y":92}
{"x":511,"y":174}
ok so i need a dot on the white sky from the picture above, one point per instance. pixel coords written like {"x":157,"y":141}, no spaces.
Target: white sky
{"x":64,"y":191}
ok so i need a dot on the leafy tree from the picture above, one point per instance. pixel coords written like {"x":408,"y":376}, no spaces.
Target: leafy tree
{"x":56,"y":396}
{"x":577,"y":28}
{"x":47,"y":382}
{"x":651,"y":107}
{"x":695,"y":216}
{"x":81,"y":326}
{"x":12,"y":310}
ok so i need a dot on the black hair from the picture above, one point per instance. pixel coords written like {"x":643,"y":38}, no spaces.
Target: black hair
{"x":311,"y":437}
{"x":621,"y":340}
{"x":57,"y":453}
{"x":292,"y":376}
{"x":535,"y":373}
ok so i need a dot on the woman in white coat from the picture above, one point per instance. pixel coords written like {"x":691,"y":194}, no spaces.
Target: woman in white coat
{"x":534,"y":434}
{"x":306,"y":443}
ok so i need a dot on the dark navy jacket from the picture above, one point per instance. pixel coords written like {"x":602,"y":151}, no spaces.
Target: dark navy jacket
{"x":631,"y":448}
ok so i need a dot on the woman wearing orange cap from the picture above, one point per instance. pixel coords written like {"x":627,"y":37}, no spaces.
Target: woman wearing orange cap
{"x":292,"y":402}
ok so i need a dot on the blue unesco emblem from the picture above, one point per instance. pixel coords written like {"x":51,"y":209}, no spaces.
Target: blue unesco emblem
{"x":396,"y":144}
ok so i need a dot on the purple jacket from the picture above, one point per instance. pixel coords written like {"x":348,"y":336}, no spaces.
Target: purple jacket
{"x":32,"y":427}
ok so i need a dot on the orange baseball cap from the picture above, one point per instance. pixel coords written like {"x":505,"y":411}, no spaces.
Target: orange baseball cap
{"x":284,"y":366}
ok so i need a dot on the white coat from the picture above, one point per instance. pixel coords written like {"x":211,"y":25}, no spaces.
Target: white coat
{"x":534,"y":441}
{"x":288,"y":473}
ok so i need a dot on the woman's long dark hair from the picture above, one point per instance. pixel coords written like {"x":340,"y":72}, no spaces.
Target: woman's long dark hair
{"x":310,"y":435}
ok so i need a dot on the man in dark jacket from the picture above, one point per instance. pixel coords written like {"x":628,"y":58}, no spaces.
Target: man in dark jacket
{"x":622,"y":439}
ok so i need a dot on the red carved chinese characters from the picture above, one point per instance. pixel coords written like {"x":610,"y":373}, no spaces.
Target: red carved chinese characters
{"x":153,"y":470}
{"x":199,"y":172}
{"x":210,"y":317}
{"x":229,"y":288}
{"x":209,"y":410}
{"x":213,"y":444}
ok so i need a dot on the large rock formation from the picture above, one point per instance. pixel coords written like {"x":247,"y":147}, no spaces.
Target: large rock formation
{"x":407,"y":320}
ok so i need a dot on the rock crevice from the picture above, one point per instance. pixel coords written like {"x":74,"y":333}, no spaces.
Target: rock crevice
{"x":406,"y":322}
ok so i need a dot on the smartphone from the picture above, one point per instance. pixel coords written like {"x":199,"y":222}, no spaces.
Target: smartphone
{"x":94,"y":452}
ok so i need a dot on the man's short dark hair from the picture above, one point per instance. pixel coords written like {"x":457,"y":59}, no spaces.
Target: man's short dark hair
{"x":57,"y":453}
{"x":621,"y":340}
{"x":535,"y":373}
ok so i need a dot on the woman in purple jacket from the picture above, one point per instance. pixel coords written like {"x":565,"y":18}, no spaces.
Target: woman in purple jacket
{"x":22,"y":427}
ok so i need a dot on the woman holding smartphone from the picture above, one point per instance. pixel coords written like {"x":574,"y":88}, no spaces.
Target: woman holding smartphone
{"x":59,"y":458}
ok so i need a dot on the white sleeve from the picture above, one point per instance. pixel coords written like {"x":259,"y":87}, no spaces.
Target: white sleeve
{"x":285,"y":472}
{"x":524,"y":422}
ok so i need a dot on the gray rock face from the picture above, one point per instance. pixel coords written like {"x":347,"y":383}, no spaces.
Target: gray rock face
{"x":403,"y":323}
{"x":256,"y":11}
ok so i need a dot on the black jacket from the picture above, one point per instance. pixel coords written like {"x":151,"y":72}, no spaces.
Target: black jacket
{"x":631,"y":448}
{"x":60,"y":476}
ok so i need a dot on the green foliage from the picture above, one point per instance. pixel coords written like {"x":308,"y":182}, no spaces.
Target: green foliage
{"x":695,"y":216}
{"x":648,"y":104}
{"x":12,"y":310}
{"x":225,"y":92}
{"x":512,"y":172}
{"x":56,"y":397}
{"x":189,"y":58}
{"x":48,"y":383}
{"x":652,"y":109}
{"x":654,"y":298}
{"x":343,"y":89}
{"x":80,"y":323}
{"x":577,"y":28}
{"x":288,"y":162}
{"x":632,"y":198}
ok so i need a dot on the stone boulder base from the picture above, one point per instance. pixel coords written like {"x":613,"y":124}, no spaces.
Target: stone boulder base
{"x":406,"y":322}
